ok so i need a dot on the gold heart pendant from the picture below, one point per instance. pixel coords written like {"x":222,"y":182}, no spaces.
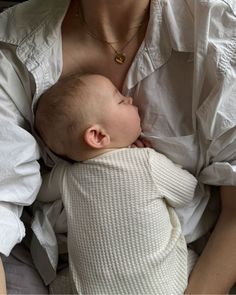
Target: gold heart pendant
{"x":120,"y":58}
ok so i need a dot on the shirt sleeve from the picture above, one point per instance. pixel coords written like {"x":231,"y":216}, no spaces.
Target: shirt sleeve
{"x":175,"y":184}
{"x":20,"y":177}
{"x":49,"y":221}
{"x":215,"y":90}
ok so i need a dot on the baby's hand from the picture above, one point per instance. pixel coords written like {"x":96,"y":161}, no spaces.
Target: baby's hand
{"x":141,"y":143}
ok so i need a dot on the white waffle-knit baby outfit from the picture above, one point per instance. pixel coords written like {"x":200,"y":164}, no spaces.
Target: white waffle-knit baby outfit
{"x":124,"y":236}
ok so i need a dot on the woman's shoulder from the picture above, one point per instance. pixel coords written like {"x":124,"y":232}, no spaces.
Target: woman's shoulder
{"x":22,"y":20}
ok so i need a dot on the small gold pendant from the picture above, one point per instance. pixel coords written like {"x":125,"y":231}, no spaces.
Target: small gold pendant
{"x":120,"y":58}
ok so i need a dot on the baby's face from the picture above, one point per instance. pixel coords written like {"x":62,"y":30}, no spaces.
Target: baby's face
{"x":120,"y":116}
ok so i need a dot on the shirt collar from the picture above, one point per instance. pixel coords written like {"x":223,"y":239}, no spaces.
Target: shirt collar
{"x":170,"y":28}
{"x":31,"y":26}
{"x":44,"y":35}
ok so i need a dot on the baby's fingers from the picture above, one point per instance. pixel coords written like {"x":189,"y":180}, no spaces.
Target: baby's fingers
{"x":141,"y":143}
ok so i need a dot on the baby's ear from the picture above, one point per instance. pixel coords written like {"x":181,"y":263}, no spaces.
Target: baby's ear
{"x":96,"y":137}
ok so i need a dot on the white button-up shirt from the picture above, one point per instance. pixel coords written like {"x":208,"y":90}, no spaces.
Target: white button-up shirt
{"x":182,"y":79}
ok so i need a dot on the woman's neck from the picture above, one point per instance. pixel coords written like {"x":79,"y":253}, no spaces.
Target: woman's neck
{"x":113,"y":20}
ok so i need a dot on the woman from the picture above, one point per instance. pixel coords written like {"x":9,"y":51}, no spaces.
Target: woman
{"x":176,"y":58}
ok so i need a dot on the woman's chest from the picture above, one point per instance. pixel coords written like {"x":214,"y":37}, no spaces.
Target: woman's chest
{"x":98,"y":59}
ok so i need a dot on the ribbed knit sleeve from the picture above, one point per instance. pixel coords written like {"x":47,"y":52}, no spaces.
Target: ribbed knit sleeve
{"x":52,"y":183}
{"x":175,"y":184}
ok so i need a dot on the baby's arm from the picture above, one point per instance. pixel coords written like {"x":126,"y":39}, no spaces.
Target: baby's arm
{"x":175,"y":184}
{"x":50,"y":188}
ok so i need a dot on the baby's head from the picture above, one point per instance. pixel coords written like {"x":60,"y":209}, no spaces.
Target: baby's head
{"x":83,"y":116}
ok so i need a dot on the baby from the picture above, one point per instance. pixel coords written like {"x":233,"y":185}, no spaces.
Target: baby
{"x":124,"y":236}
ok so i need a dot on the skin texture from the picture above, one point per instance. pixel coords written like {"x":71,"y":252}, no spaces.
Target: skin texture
{"x":2,"y":279}
{"x":109,"y":20}
{"x":215,"y":272}
{"x":103,"y":119}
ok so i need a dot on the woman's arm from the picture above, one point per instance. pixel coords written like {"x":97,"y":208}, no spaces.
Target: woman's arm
{"x":2,"y":279}
{"x":20,"y":177}
{"x":215,"y":271}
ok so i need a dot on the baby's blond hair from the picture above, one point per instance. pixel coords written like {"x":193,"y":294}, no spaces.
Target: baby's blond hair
{"x":63,"y":109}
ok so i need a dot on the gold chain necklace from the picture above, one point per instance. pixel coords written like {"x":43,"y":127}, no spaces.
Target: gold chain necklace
{"x":120,"y":56}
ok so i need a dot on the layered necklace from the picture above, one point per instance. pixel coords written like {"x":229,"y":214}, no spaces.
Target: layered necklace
{"x":119,"y":54}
